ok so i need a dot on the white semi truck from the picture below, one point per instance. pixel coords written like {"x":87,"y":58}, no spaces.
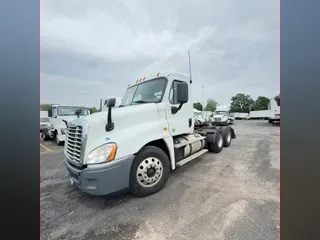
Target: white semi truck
{"x":222,"y":116}
{"x":135,"y":146}
{"x":274,"y":108}
{"x":60,"y":115}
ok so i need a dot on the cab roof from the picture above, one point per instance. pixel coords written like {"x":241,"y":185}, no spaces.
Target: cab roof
{"x":147,"y":77}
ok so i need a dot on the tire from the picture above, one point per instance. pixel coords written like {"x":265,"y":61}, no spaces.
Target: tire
{"x":146,"y":185}
{"x":45,"y":136}
{"x":59,"y":143}
{"x":217,"y":145}
{"x":226,"y":133}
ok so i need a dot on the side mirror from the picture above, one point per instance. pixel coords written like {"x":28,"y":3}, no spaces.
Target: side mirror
{"x":78,"y":112}
{"x":111,"y":102}
{"x":182,"y":93}
{"x":50,"y":112}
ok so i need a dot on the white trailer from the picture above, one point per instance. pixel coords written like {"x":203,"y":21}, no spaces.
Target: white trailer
{"x":134,"y":147}
{"x":241,"y":115}
{"x":260,"y":114}
{"x":222,"y":116}
{"x":274,"y":108}
{"x":60,"y":115}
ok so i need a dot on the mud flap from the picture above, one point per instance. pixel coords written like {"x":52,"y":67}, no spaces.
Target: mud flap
{"x":233,"y":134}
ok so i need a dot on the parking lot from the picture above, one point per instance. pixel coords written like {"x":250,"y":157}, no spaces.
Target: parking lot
{"x":230,"y":195}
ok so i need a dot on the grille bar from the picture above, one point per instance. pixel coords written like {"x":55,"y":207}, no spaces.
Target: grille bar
{"x":73,"y":143}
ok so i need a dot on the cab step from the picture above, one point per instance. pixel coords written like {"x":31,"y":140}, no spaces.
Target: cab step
{"x":190,"y":158}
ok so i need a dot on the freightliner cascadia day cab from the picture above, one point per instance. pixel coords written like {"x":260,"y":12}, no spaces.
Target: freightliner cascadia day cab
{"x":135,"y":146}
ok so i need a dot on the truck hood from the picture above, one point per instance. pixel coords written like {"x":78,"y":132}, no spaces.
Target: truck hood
{"x":70,"y":118}
{"x":120,"y":116}
{"x":129,"y":123}
{"x":220,"y":116}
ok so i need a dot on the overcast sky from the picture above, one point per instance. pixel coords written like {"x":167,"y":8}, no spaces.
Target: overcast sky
{"x":96,"y":48}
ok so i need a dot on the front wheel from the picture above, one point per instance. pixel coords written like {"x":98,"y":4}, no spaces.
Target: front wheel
{"x":59,"y":143}
{"x":149,"y":172}
{"x":45,"y":136}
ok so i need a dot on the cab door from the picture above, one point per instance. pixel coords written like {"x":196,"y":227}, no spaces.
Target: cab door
{"x":181,"y":121}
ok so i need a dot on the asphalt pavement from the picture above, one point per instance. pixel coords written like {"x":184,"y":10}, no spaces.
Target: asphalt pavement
{"x":230,"y":195}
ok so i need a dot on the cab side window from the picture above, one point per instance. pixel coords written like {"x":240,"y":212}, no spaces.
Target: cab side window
{"x":173,"y":92}
{"x":54,"y":112}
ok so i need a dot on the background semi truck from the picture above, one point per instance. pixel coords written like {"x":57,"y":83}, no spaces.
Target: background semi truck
{"x":222,"y":116}
{"x":60,"y":115}
{"x":135,"y":146}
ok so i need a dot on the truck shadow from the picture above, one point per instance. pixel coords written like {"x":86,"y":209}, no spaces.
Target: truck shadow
{"x":98,"y":202}
{"x":265,"y":124}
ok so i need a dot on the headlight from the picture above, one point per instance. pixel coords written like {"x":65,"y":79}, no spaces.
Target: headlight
{"x":102,"y":154}
{"x":63,"y":131}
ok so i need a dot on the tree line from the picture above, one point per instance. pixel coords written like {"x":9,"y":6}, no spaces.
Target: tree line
{"x":239,"y":103}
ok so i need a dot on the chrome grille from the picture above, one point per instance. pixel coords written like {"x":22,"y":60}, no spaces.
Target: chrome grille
{"x":217,"y":119}
{"x":73,"y":143}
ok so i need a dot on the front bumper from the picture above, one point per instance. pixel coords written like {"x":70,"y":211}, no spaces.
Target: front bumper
{"x":102,"y":179}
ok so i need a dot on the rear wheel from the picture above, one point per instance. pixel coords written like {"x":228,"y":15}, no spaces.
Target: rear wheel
{"x":149,"y":172}
{"x":217,"y":145}
{"x":226,"y":132}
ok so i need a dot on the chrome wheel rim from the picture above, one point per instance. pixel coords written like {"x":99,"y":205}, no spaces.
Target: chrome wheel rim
{"x":149,"y":172}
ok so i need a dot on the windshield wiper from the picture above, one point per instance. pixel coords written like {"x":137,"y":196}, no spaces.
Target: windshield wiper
{"x":140,"y":101}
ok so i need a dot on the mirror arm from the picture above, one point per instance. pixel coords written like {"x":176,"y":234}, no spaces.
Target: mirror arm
{"x":174,"y":110}
{"x":110,"y":124}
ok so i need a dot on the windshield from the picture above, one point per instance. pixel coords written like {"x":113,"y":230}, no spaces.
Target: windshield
{"x":220,"y":112}
{"x":44,"y":120}
{"x":148,"y":92}
{"x":70,"y":111}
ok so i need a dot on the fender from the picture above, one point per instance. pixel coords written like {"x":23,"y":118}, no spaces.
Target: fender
{"x":211,"y":137}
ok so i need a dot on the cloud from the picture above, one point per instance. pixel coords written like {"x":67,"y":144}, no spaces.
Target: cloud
{"x":233,"y":44}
